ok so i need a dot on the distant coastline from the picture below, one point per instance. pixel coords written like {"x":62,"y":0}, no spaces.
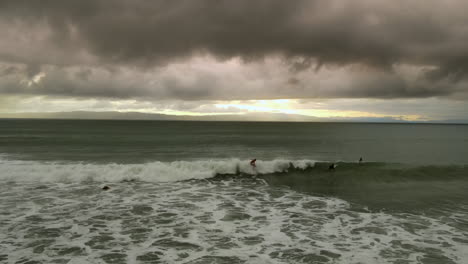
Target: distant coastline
{"x":253,"y":117}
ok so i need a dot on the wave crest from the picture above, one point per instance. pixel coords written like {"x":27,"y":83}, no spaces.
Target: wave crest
{"x":14,"y":170}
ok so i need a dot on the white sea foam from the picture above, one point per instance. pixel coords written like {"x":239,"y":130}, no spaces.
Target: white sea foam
{"x":16,"y":170}
{"x":219,"y":222}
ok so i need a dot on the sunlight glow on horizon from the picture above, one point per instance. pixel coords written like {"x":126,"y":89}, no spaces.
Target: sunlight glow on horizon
{"x":295,"y":108}
{"x":289,"y":106}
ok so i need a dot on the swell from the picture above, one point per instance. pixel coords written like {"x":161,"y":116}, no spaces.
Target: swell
{"x":381,"y":171}
{"x":382,"y":185}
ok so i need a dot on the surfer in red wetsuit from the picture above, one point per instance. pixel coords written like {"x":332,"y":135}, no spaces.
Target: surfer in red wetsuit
{"x":252,"y":163}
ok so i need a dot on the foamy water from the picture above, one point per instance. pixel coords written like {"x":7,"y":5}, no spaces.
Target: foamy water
{"x":239,"y":220}
{"x":17,"y":170}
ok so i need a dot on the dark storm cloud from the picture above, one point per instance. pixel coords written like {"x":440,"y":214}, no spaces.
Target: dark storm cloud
{"x":331,"y":31}
{"x":307,"y":34}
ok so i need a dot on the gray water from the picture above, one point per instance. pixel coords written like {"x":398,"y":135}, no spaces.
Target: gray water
{"x":184,"y":192}
{"x":145,"y":141}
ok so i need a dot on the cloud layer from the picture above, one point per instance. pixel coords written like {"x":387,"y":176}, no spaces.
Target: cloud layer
{"x":226,"y":50}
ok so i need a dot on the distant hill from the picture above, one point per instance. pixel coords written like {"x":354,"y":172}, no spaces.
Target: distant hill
{"x":278,"y":117}
{"x":150,"y":116}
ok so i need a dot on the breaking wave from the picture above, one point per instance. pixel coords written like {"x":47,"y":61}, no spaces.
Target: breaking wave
{"x":301,"y":173}
{"x":17,"y":170}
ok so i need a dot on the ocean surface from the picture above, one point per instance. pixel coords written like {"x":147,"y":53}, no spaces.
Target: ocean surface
{"x":184,"y":192}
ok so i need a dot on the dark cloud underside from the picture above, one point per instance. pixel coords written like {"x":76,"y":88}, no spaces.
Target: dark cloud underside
{"x":307,"y":34}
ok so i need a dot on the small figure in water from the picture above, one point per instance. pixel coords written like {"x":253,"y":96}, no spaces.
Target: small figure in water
{"x":105,"y":188}
{"x":360,"y":160}
{"x":332,"y":166}
{"x":252,"y":163}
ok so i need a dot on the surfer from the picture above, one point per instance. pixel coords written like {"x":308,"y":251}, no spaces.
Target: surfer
{"x":105,"y":188}
{"x":252,"y":163}
{"x":360,"y":160}
{"x":332,"y":166}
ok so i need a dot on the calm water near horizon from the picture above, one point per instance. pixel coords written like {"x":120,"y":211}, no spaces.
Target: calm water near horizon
{"x":145,"y":141}
{"x":184,"y":192}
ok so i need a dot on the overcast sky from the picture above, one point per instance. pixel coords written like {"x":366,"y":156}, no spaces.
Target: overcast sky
{"x":361,"y":58}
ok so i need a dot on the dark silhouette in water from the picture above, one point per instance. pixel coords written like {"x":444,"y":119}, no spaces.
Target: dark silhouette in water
{"x":360,"y":160}
{"x":105,"y":188}
{"x":252,"y":163}
{"x":332,"y":166}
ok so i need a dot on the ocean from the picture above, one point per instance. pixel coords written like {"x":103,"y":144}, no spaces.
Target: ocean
{"x":185,"y":192}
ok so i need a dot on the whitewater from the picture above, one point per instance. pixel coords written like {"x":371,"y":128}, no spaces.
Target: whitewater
{"x":17,"y":170}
